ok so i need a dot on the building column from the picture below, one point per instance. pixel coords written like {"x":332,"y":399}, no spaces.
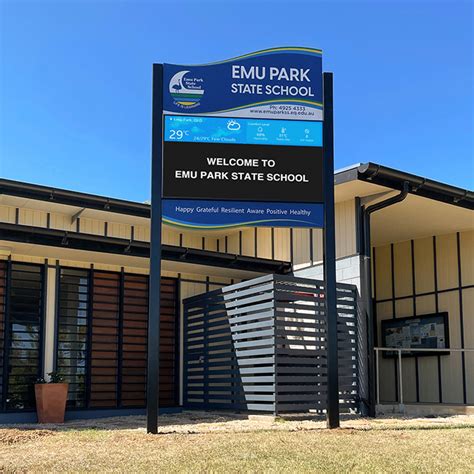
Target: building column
{"x":50,"y":320}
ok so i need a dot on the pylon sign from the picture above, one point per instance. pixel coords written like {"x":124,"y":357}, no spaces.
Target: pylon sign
{"x":243,"y":142}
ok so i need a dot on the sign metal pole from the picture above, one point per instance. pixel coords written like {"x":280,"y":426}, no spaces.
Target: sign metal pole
{"x":154,"y":286}
{"x":330,"y":254}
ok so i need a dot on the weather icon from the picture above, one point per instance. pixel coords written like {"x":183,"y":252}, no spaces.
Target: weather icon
{"x":233,"y":125}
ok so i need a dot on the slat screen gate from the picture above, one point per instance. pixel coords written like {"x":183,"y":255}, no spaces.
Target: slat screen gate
{"x":261,"y":346}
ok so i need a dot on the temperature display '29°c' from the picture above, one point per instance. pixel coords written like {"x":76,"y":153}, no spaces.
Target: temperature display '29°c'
{"x":177,"y":134}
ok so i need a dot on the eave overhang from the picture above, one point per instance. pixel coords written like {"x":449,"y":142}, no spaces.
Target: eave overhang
{"x":114,"y":245}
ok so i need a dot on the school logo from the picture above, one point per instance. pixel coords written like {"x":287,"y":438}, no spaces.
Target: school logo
{"x":186,"y":90}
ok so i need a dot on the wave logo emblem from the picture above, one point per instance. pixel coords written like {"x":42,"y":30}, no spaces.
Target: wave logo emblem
{"x":186,"y":91}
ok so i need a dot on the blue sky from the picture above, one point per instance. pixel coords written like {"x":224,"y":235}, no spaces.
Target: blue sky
{"x":75,"y":83}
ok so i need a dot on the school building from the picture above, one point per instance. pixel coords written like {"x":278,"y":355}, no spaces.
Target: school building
{"x":74,"y":291}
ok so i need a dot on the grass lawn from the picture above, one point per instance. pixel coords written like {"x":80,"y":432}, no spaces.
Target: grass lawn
{"x":443,"y":448}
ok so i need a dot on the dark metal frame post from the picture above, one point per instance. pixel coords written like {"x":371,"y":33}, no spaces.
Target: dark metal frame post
{"x":154,"y":287}
{"x":330,"y":255}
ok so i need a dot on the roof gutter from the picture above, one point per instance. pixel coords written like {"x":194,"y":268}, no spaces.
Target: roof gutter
{"x":73,"y":198}
{"x":424,"y":187}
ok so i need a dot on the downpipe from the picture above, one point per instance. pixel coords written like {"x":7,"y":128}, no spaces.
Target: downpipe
{"x":367,"y":288}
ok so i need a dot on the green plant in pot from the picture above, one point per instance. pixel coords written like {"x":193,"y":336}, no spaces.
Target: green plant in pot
{"x":51,"y":398}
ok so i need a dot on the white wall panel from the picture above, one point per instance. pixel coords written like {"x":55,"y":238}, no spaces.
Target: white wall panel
{"x":142,"y":233}
{"x":7,"y":214}
{"x":119,"y":230}
{"x":170,"y":236}
{"x":32,"y":217}
{"x":61,"y":222}
{"x":301,"y":246}
{"x":264,"y":242}
{"x":92,"y":226}
{"x":282,"y":244}
{"x":345,"y":229}
{"x":467,"y":257}
{"x":248,"y":242}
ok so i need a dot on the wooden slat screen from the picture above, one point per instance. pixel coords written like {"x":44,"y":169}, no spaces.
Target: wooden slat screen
{"x":104,"y":339}
{"x":112,"y":324}
{"x":168,"y":338}
{"x":134,"y":340}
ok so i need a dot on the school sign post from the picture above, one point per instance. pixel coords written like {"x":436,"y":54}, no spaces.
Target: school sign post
{"x":243,"y":142}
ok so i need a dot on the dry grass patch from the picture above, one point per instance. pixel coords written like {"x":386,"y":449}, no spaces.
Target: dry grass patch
{"x":14,"y":436}
{"x":354,"y":449}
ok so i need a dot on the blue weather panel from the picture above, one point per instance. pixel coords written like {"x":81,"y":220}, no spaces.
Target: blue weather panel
{"x":241,"y":131}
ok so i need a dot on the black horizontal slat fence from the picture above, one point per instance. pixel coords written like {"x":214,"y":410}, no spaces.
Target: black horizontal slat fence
{"x":260,"y":345}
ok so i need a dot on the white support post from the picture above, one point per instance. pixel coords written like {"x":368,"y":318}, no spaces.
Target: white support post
{"x":400,"y":382}
{"x":399,"y":378}
{"x":50,"y":321}
{"x":377,"y":376}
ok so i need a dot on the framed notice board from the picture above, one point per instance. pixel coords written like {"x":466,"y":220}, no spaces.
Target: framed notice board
{"x":429,"y":331}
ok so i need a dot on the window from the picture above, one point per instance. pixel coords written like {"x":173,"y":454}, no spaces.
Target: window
{"x":72,"y":332}
{"x":21,"y":338}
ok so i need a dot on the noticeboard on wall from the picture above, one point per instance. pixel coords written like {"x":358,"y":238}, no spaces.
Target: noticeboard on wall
{"x":428,"y":331}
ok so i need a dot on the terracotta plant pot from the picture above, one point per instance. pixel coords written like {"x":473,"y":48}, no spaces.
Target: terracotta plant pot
{"x":51,"y":402}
